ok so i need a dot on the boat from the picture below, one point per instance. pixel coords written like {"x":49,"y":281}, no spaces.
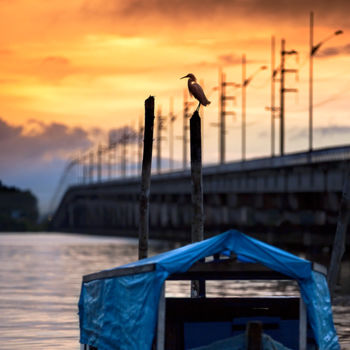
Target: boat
{"x":126,"y":307}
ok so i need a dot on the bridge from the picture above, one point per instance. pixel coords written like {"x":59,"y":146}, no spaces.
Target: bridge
{"x":291,"y":200}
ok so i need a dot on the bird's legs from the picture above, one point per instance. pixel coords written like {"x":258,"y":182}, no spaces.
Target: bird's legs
{"x":199,"y":104}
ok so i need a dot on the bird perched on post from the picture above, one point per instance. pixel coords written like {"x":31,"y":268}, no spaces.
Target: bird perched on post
{"x":196,"y":90}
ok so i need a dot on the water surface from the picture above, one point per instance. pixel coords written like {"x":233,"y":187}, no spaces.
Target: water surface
{"x":40,"y":280}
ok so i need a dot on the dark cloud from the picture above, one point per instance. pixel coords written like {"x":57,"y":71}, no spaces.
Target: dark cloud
{"x":124,"y":134}
{"x":37,"y":143}
{"x":96,"y":132}
{"x":56,"y":60}
{"x":5,"y":52}
{"x":8,"y":132}
{"x":33,"y":156}
{"x":334,"y":51}
{"x":327,"y":131}
{"x":55,"y":68}
{"x":333,"y":130}
{"x":229,"y":59}
{"x":207,"y":10}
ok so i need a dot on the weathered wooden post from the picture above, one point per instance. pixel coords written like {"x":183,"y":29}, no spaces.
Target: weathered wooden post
{"x":197,"y":287}
{"x":196,"y":177}
{"x":340,"y":235}
{"x":254,"y":335}
{"x":146,"y":178}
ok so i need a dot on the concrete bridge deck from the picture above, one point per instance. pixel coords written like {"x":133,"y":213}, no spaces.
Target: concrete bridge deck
{"x":291,"y":200}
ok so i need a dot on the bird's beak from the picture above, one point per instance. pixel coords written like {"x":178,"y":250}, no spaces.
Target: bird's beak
{"x":186,"y":76}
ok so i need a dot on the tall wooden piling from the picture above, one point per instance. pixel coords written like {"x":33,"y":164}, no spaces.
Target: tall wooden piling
{"x":197,"y":287}
{"x":196,"y":177}
{"x":340,"y":234}
{"x":254,"y":335}
{"x":146,"y":178}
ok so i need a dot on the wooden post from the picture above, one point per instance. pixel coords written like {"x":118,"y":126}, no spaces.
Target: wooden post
{"x":254,"y":335}
{"x":302,"y":325}
{"x":196,"y":176}
{"x":282,"y":91}
{"x":197,"y":287}
{"x":340,"y":235}
{"x":146,"y":178}
{"x":161,"y":320}
{"x":99,"y":163}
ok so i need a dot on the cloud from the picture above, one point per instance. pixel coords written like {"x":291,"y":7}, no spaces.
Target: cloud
{"x":184,"y":12}
{"x":333,"y":130}
{"x":334,"y":51}
{"x":226,"y":60}
{"x":5,"y":52}
{"x":33,"y":156}
{"x":37,"y":142}
{"x":124,"y":134}
{"x":325,"y":131}
{"x":55,"y":68}
{"x":56,"y":61}
{"x":229,"y":59}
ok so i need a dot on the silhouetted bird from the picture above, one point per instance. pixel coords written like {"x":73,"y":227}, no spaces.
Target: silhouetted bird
{"x":196,"y":90}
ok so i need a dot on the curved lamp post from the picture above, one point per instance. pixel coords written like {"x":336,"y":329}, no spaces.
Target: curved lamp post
{"x":245,"y":82}
{"x":313,"y":50}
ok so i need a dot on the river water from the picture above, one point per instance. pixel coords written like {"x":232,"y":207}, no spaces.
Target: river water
{"x":40,"y":280}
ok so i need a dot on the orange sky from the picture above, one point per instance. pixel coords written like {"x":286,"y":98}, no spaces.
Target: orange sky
{"x":91,"y":63}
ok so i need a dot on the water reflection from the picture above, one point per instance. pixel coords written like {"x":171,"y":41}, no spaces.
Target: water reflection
{"x":40,"y":278}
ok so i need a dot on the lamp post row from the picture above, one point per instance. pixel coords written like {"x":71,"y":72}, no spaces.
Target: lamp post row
{"x":312,"y":52}
{"x":313,"y":49}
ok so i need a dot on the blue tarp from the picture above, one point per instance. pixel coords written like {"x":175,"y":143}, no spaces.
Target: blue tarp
{"x":121,"y":312}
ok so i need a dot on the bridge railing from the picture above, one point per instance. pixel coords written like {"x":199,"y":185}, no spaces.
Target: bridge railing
{"x":72,"y":175}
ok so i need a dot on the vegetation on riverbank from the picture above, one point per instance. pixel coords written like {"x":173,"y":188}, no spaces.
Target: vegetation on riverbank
{"x":18,"y":210}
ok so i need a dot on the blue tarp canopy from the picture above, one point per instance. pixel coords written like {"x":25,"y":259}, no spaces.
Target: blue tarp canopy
{"x":121,"y":312}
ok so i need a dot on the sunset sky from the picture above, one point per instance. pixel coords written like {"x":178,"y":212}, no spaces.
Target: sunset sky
{"x":71,"y":71}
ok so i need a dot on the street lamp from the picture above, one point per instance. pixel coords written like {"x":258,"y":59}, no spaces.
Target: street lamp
{"x":245,"y":82}
{"x":313,"y":50}
{"x":172,"y":119}
{"x":223,"y":97}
